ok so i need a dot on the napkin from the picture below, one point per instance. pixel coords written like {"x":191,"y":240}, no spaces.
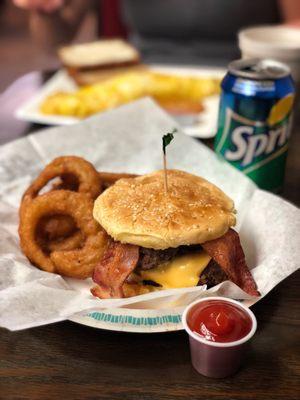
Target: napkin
{"x":128,"y":139}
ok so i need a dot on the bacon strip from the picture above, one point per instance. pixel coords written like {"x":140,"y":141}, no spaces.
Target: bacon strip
{"x":228,"y":253}
{"x":118,"y":262}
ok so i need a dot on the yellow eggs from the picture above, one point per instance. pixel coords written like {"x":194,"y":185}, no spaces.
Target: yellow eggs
{"x":124,"y":88}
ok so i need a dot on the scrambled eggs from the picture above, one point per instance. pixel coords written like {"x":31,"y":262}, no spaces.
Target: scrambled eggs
{"x":122,"y":89}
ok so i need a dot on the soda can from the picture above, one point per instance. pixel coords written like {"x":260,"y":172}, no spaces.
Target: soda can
{"x":255,"y":117}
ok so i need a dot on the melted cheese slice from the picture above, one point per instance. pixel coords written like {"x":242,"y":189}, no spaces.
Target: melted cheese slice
{"x":182,"y":271}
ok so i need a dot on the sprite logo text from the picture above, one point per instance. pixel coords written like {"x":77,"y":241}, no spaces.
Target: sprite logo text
{"x":248,"y":147}
{"x":248,"y":142}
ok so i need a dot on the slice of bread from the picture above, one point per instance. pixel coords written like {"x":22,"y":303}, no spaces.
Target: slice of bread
{"x":102,"y":54}
{"x":91,"y":77}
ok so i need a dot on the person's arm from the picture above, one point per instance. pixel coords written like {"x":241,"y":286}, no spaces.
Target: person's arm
{"x":54,"y":22}
{"x":290,"y":12}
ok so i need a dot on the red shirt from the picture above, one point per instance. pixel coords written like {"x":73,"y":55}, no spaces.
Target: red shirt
{"x":111,"y":24}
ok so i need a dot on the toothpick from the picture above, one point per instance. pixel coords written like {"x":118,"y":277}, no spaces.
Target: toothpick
{"x":166,"y":139}
{"x":165,"y":173}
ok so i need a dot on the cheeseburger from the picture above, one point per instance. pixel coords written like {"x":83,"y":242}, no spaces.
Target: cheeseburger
{"x":162,"y":240}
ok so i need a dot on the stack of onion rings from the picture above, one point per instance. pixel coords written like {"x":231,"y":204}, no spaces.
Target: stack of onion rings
{"x":76,"y":174}
{"x":57,"y":230}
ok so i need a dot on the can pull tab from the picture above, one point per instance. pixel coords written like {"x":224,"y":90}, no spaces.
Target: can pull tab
{"x":268,"y":68}
{"x":259,"y":69}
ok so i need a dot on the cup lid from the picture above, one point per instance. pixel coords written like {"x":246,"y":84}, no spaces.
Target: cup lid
{"x":271,"y":41}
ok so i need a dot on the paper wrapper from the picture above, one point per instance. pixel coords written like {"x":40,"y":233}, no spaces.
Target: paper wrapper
{"x":128,"y":139}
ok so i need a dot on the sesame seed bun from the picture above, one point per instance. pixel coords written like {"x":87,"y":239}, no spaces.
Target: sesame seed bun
{"x":138,"y":211}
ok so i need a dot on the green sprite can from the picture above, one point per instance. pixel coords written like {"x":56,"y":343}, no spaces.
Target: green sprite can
{"x":255,"y":118}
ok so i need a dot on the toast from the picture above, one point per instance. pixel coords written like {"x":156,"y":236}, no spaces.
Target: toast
{"x":92,"y":62}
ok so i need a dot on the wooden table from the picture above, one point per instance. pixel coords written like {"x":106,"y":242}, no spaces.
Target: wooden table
{"x":70,"y":361}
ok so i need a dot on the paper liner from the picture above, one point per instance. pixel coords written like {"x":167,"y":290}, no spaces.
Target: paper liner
{"x":128,"y":139}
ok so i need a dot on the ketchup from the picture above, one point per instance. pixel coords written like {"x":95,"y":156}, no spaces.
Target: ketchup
{"x":219,"y":321}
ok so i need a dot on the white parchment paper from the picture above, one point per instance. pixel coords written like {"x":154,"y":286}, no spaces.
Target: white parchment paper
{"x":128,"y":139}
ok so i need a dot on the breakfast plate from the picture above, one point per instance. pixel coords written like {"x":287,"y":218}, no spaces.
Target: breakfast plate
{"x":202,"y":125}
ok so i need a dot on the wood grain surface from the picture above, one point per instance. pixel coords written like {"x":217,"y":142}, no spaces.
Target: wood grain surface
{"x":70,"y":361}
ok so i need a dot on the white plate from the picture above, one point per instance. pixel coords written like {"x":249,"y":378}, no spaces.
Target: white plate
{"x":128,"y":319}
{"x":205,"y":126}
{"x":132,"y":320}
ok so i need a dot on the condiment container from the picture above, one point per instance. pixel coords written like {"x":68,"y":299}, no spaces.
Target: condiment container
{"x":212,"y":358}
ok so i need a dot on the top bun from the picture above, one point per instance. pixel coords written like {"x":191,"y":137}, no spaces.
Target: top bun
{"x":138,"y":211}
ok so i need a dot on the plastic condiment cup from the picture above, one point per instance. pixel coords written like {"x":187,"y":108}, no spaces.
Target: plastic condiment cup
{"x":216,"y":359}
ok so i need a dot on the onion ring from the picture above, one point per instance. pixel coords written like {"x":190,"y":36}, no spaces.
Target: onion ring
{"x":78,"y":263}
{"x":88,"y":178}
